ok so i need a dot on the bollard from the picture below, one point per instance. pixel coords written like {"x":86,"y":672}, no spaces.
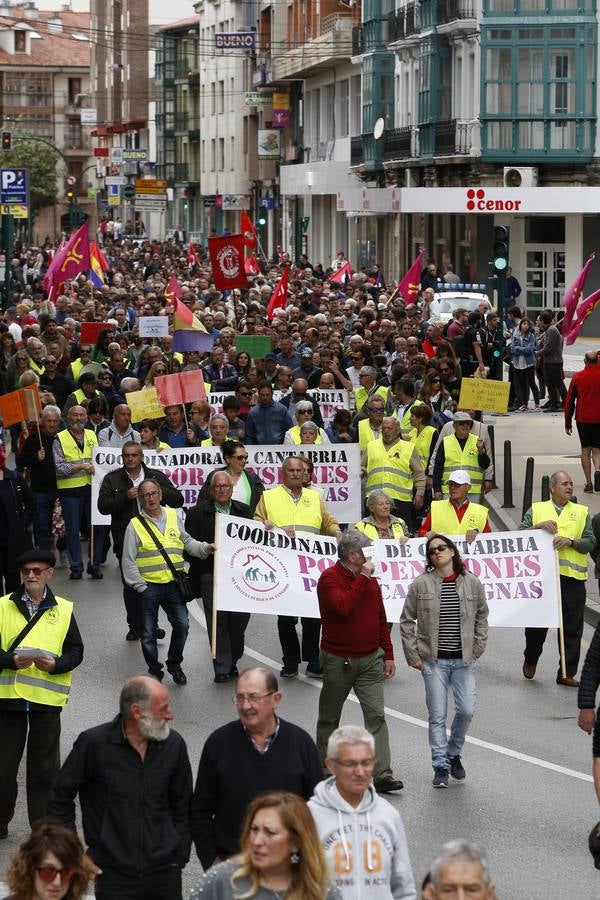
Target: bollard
{"x":493,"y":446}
{"x":545,"y":488}
{"x":528,"y":489}
{"x":508,"y":485}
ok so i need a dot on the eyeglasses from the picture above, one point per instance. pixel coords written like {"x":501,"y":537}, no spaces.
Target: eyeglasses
{"x":355,"y":763}
{"x":251,"y":698}
{"x":439,"y":548}
{"x":245,"y":393}
{"x":21,"y":358}
{"x":150,"y":494}
{"x":435,"y":380}
{"x":104,"y":377}
{"x":48,"y":874}
{"x":244,"y":457}
{"x":34,"y":570}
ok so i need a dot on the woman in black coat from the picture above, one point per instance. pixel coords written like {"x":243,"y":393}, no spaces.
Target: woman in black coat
{"x":17,"y":510}
{"x":247,"y":486}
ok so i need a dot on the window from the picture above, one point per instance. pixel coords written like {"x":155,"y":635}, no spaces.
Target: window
{"x":221,"y":97}
{"x":329,"y":112}
{"x":355,"y":105}
{"x":232,"y":154}
{"x":212,"y":154}
{"x":213,"y":97}
{"x":203,"y":160}
{"x":343,"y":116}
{"x":20,"y":42}
{"x":221,"y":154}
{"x":74,"y":90}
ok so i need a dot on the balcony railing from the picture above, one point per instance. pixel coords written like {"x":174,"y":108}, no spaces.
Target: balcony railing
{"x":187,"y":68}
{"x":356,"y":150}
{"x":397,"y":144}
{"x":452,"y":138}
{"x":181,"y":172}
{"x":395,"y":26}
{"x":358,"y":41}
{"x":451,"y":10}
{"x":412,"y":24}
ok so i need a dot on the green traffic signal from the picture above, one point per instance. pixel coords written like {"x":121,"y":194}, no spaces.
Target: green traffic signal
{"x":500,"y":249}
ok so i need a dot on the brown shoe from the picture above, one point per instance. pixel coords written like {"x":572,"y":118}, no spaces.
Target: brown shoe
{"x":529,"y":670}
{"x":568,"y":681}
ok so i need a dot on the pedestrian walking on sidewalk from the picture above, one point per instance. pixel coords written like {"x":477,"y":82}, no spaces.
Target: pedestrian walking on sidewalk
{"x":583,"y":401}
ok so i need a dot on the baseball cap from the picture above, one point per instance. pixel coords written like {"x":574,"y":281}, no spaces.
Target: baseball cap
{"x":461,"y":416}
{"x":460,"y":477}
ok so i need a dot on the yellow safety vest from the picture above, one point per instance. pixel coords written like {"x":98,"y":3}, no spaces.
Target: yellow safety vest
{"x":39,"y":370}
{"x":48,"y":634}
{"x":76,"y":367}
{"x":445,"y":520}
{"x":466,"y":459}
{"x":371,"y":531}
{"x":389,"y":470}
{"x":294,"y":433}
{"x":365,"y":434}
{"x":405,"y":426}
{"x":305,"y":515}
{"x":423,"y":442}
{"x":361,"y":395}
{"x":571,"y":523}
{"x":149,"y":560}
{"x":81,"y":398}
{"x":73,"y":454}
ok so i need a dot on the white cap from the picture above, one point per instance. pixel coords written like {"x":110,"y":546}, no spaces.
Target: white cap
{"x":460,"y":477}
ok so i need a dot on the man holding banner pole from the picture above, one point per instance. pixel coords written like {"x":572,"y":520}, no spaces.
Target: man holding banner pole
{"x":573,"y":538}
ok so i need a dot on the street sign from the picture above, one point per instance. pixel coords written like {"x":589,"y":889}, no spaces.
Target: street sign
{"x":89,"y":116}
{"x":235,"y":40}
{"x":153,"y":205}
{"x":13,"y":186}
{"x":150,"y":186}
{"x":142,"y":155}
{"x":71,"y":180}
{"x":16,"y":210}
{"x":257,"y":98}
{"x":129,"y":192}
{"x":116,"y":179}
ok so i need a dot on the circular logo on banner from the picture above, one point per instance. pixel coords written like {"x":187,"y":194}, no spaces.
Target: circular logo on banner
{"x":229,"y":261}
{"x":260,"y":575}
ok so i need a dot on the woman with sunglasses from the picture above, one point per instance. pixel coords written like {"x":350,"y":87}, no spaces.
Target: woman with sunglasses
{"x":157,"y":368}
{"x":435,"y":394}
{"x":247,"y":486}
{"x":444,"y":626}
{"x":50,"y":865}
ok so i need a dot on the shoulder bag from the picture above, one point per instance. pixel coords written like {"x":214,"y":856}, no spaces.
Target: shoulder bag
{"x":182,"y":579}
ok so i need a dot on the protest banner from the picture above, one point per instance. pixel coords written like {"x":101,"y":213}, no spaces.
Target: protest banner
{"x":269,"y":572}
{"x":336,"y":474}
{"x":329,"y":402}
{"x":144,"y":405}
{"x":215,"y":399}
{"x":180,"y":388}
{"x":153,"y":326}
{"x":12,"y":408}
{"x":255,"y":345}
{"x":484,"y":394}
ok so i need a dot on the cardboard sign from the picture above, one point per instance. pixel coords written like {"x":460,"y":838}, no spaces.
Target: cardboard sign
{"x":144,"y":405}
{"x":12,"y":408}
{"x":182,"y":387}
{"x":484,"y":394}
{"x":90,"y":331}
{"x":256,"y":345}
{"x":153,"y":326}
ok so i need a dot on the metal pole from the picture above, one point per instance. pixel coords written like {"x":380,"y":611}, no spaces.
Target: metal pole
{"x":545,"y":488}
{"x":528,"y":490}
{"x":493,"y":446}
{"x":508,"y":485}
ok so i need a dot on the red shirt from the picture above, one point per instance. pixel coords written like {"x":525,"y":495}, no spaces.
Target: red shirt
{"x":353,"y":616}
{"x":585,"y":388}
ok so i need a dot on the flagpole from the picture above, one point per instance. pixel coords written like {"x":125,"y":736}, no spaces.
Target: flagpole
{"x":261,"y":249}
{"x":391,"y":297}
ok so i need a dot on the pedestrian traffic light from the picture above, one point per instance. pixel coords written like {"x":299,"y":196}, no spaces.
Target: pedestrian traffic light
{"x":500,"y":250}
{"x":6,"y":140}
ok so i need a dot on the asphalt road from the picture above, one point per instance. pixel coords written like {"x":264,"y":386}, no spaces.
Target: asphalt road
{"x":528,"y":795}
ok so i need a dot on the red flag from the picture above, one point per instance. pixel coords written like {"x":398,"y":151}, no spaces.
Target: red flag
{"x":571,"y":299}
{"x":584,"y":309}
{"x":192,"y":256}
{"x":192,"y":386}
{"x":90,"y":331}
{"x":173,"y":290}
{"x":227,"y":258}
{"x":342,"y":275}
{"x":183,"y":387}
{"x":71,"y":260}
{"x":279,"y":295}
{"x":411,"y":283}
{"x":248,"y":230}
{"x":251,"y":266}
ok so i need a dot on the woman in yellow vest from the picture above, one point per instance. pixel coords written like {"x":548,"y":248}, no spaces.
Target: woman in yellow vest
{"x":304,"y":412}
{"x":422,"y":434}
{"x":149,"y":435}
{"x":380,"y":523}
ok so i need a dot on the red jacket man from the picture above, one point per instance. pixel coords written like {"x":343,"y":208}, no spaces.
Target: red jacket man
{"x":583,"y":400}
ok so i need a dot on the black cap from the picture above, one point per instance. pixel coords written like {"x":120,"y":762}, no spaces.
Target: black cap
{"x":594,"y":844}
{"x":36,"y":555}
{"x":271,"y":356}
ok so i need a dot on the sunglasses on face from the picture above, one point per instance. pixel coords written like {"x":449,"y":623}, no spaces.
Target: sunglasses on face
{"x":439,"y":548}
{"x":48,"y":874}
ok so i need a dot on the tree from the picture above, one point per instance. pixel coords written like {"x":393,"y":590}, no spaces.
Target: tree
{"x":40,"y":161}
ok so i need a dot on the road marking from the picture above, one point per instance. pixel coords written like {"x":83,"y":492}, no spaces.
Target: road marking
{"x":411,"y":720}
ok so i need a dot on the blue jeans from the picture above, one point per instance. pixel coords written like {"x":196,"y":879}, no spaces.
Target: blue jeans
{"x":438,"y":677}
{"x":42,"y":525}
{"x":74,"y":507}
{"x":168,"y":596}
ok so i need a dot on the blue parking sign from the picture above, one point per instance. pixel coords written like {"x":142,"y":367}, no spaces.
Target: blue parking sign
{"x":13,"y":186}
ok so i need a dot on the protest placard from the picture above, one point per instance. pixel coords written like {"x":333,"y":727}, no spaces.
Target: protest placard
{"x":256,"y":345}
{"x":144,"y":405}
{"x":153,"y":326}
{"x":484,"y":394}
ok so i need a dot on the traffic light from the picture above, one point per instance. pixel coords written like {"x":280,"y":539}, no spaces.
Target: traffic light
{"x":6,"y":140}
{"x":70,"y":194}
{"x":500,"y":250}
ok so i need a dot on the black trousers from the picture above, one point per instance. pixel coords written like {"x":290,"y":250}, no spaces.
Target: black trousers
{"x":231,"y":628}
{"x":573,"y":609}
{"x":162,"y":885}
{"x":555,"y":385}
{"x":290,"y":646}
{"x":41,"y":732}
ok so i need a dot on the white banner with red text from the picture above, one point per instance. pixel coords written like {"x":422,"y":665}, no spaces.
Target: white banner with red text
{"x":336,"y":474}
{"x":260,"y":571}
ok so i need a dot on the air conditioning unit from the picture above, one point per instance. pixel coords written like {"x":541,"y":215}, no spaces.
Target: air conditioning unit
{"x":515,"y":176}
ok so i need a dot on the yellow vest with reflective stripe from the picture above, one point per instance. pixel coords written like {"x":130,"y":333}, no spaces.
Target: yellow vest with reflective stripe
{"x":389,"y":470}
{"x":39,"y":370}
{"x":294,"y":433}
{"x":76,"y":367}
{"x":365,"y":434}
{"x":371,"y":531}
{"x":423,"y":442}
{"x":361,"y":395}
{"x":445,"y":520}
{"x":48,"y":634}
{"x":571,"y":523}
{"x":81,"y":398}
{"x":466,"y":459}
{"x":305,"y":515}
{"x":150,"y":562}
{"x":73,"y":454}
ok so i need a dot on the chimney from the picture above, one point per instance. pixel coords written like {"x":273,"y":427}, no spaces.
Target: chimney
{"x":55,"y":24}
{"x":30,"y":11}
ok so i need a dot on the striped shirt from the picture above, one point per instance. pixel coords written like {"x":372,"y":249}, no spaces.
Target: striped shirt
{"x":449,"y":642}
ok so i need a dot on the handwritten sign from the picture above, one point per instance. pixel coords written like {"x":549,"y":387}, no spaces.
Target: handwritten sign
{"x":144,"y":405}
{"x":153,"y":326}
{"x":484,"y":394}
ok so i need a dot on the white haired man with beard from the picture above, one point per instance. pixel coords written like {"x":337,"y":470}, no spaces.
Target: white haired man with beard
{"x":134,"y":782}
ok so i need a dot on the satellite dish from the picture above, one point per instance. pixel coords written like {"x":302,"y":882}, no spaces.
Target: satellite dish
{"x":378,"y":128}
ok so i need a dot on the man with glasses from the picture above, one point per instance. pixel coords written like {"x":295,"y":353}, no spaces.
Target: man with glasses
{"x":34,"y":685}
{"x":118,"y":498}
{"x":368,"y":428}
{"x":51,"y":380}
{"x":359,"y":831}
{"x":146,"y":571}
{"x":200,"y":523}
{"x":460,"y":450}
{"x":86,"y":390}
{"x":76,"y":365}
{"x":258,"y":752}
{"x":369,"y":387}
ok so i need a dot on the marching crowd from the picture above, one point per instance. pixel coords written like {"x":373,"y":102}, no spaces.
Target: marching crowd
{"x":272,"y":813}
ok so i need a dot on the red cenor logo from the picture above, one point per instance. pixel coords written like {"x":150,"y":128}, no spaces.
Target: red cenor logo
{"x":476,"y":200}
{"x":229,"y":261}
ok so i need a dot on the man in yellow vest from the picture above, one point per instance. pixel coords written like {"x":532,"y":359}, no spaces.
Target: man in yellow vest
{"x":571,"y":526}
{"x":460,"y":450}
{"x":147,"y":572}
{"x":34,"y":684}
{"x":72,"y":451}
{"x":295,"y":508}
{"x":368,"y":428}
{"x":401,"y":401}
{"x":368,"y":387}
{"x":393,"y":465}
{"x":458,"y":514}
{"x":84,"y":393}
{"x":76,"y":365}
